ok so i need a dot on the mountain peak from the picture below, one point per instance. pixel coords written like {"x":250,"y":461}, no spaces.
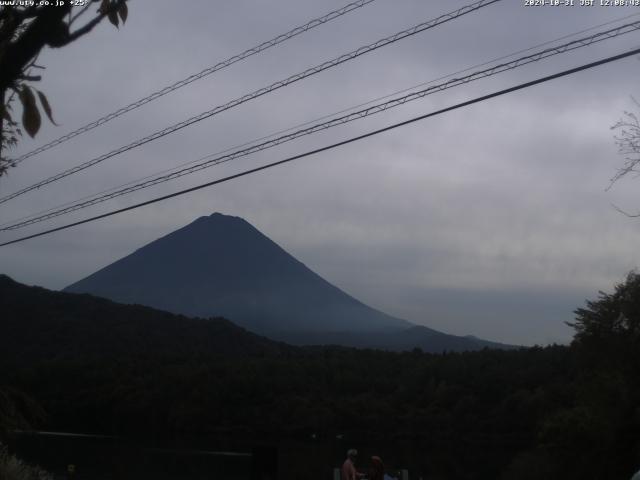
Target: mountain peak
{"x":217,"y":216}
{"x":221,"y":265}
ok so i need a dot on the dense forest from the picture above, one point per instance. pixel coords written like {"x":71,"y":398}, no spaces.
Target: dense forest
{"x":564,"y":412}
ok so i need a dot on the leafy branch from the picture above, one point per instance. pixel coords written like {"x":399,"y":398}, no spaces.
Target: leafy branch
{"x":24,"y":32}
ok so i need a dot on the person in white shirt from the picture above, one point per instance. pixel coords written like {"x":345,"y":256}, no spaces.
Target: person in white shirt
{"x":348,"y":468}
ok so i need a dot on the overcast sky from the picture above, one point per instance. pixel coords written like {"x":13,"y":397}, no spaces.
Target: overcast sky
{"x":492,"y":220}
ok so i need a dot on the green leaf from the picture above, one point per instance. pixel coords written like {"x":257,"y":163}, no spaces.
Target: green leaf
{"x":123,"y":11}
{"x":46,"y":106}
{"x":104,"y":6}
{"x":30,"y":115}
{"x":113,"y":18}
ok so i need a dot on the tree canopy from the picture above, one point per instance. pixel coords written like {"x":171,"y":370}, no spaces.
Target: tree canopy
{"x":555,"y":412}
{"x":614,"y":316}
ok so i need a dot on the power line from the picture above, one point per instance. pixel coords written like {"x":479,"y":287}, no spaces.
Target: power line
{"x":335,"y":145}
{"x":309,"y":122}
{"x":262,"y":91}
{"x":207,"y":162}
{"x":323,"y":117}
{"x":197,"y":76}
{"x":317,"y":119}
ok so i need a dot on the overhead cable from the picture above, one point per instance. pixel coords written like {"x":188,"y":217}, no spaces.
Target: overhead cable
{"x":334,"y":145}
{"x":258,"y":93}
{"x":323,"y":117}
{"x":196,"y":76}
{"x":374,"y":109}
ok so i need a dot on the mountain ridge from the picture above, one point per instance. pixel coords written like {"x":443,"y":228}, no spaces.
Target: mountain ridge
{"x":221,"y":265}
{"x":40,"y":324}
{"x":261,"y":280}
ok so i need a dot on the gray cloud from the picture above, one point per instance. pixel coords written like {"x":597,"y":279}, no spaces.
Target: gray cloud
{"x":491,"y":220}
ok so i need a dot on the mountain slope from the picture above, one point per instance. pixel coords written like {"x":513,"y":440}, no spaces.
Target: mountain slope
{"x":424,"y":338}
{"x":39,"y":324}
{"x":222,"y":266}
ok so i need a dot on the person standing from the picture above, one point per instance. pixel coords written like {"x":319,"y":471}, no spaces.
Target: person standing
{"x":348,"y":471}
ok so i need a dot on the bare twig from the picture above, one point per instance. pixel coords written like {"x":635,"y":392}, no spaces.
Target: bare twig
{"x":628,"y":142}
{"x":626,"y":214}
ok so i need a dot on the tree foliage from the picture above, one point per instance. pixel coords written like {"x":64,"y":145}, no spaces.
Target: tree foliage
{"x":24,"y":31}
{"x":17,"y":411}
{"x":11,"y":468}
{"x":567,"y":412}
{"x":612,"y":317}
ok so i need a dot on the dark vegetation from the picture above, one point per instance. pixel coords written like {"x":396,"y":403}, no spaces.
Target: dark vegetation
{"x":11,"y":468}
{"x":553,"y":412}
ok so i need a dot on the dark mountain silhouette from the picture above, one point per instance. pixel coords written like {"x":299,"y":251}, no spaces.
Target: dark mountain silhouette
{"x":222,"y":266}
{"x":416,"y":336}
{"x":38,"y":324}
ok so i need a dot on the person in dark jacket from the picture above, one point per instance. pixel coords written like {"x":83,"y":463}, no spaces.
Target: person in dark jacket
{"x":376,"y":472}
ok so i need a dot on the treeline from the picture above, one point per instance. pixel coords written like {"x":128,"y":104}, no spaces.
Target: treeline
{"x":555,"y":412}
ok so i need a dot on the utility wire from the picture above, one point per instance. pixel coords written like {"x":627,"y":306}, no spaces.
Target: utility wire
{"x":215,"y":159}
{"x":317,"y":119}
{"x":197,"y":76}
{"x":323,"y":117}
{"x":335,"y":145}
{"x":262,"y":91}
